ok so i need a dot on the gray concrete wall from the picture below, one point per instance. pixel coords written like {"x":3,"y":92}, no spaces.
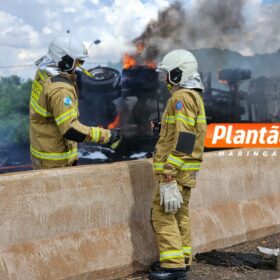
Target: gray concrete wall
{"x":93,"y":222}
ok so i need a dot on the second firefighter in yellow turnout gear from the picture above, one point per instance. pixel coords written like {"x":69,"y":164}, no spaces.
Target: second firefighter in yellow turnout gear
{"x":177,"y":159}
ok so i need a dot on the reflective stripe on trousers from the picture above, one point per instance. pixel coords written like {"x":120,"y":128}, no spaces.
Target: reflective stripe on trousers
{"x":174,"y":254}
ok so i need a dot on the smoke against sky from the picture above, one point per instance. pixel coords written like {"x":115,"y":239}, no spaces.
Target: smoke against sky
{"x":237,"y":25}
{"x":27,"y":27}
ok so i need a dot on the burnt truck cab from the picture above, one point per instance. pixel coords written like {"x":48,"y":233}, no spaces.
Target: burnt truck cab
{"x":129,"y":100}
{"x":143,"y":101}
{"x":232,"y":105}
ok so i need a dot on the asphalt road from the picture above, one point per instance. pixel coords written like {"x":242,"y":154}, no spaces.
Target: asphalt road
{"x":201,"y":271}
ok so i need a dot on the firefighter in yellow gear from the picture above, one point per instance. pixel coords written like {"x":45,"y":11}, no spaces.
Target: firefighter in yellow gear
{"x":177,"y":160}
{"x":54,"y":125}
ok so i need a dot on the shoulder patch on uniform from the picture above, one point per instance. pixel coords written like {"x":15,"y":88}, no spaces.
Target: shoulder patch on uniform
{"x":179,"y":105}
{"x":57,"y":79}
{"x":67,"y":101}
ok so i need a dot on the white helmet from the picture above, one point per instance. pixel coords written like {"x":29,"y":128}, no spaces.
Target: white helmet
{"x":65,"y":50}
{"x":179,"y":65}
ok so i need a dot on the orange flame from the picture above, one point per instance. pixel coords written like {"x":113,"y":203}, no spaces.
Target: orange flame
{"x":128,"y":61}
{"x":115,"y":123}
{"x":151,"y":64}
{"x":224,"y":82}
{"x":131,"y":60}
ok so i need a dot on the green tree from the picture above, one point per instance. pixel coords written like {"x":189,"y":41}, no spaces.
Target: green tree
{"x":14,"y":110}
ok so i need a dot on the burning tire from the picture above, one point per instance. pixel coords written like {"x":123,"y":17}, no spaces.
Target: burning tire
{"x":105,"y":80}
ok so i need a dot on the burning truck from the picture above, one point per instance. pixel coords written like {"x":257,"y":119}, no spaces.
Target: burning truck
{"x":136,"y":96}
{"x":232,"y":105}
{"x":130,"y":100}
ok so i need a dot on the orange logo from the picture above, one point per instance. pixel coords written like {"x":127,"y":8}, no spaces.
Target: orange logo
{"x":249,"y":135}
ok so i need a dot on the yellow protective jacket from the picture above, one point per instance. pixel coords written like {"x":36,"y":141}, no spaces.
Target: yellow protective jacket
{"x":180,"y":146}
{"x":54,"y":125}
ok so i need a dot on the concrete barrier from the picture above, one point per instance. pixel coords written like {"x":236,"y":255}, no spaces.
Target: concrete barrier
{"x":237,"y":198}
{"x":93,"y":222}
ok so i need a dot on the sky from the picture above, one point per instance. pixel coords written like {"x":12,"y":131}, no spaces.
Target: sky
{"x":28,"y":26}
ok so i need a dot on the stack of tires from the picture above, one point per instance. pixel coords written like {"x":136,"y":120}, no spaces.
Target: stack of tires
{"x":97,"y":95}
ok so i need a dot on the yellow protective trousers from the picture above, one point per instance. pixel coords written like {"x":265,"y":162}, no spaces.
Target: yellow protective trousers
{"x":173,"y":231}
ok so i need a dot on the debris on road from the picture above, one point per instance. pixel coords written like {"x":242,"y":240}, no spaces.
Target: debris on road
{"x":268,"y":251}
{"x":232,"y":259}
{"x":203,"y":271}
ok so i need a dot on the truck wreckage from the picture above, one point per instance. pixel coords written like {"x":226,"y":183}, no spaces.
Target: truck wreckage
{"x":137,"y":96}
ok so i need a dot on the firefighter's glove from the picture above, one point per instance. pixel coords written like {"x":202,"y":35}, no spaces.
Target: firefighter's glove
{"x":170,"y":196}
{"x":115,"y":138}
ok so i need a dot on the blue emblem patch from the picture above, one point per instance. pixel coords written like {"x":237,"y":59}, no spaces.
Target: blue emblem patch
{"x":179,"y":105}
{"x":67,"y":101}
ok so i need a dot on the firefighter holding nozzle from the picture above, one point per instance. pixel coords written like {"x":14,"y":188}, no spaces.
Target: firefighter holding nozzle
{"x":177,"y":160}
{"x":54,"y":125}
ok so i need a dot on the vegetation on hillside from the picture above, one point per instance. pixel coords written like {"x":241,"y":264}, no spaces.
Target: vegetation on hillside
{"x":14,"y":110}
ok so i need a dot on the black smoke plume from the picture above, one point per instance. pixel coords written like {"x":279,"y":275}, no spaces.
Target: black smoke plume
{"x":229,"y":24}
